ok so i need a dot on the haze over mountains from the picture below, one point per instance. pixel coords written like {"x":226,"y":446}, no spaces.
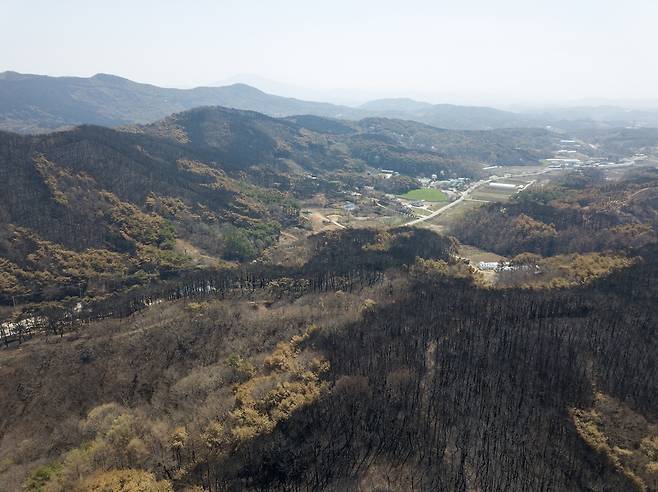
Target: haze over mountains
{"x":33,"y":103}
{"x":370,"y":246}
{"x":219,"y":298}
{"x":37,"y":103}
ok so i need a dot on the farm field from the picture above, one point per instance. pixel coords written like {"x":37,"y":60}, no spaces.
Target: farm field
{"x":490,"y":194}
{"x":455,"y":214}
{"x":427,"y":194}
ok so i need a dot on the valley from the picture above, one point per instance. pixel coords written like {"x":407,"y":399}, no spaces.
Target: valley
{"x":270,"y":197}
{"x":341,"y":246}
{"x":224,"y":300}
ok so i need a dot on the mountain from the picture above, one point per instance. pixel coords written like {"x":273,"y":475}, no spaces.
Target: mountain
{"x":338,"y":96}
{"x":449,"y":115}
{"x":147,"y":344}
{"x":94,"y":208}
{"x":601,"y":115}
{"x":324,"y":145}
{"x":36,"y":103}
{"x":402,"y":104}
{"x":471,"y":117}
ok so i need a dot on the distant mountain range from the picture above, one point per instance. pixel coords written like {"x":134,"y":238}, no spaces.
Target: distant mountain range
{"x":37,"y":103}
{"x":316,"y":144}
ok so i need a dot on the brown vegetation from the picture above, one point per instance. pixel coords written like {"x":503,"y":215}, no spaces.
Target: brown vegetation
{"x":581,"y":215}
{"x":316,"y":380}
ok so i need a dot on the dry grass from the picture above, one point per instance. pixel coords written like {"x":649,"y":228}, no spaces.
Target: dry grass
{"x":456,"y":213}
{"x":198,"y":256}
{"x":492,"y":194}
{"x":171,"y":362}
{"x":628,"y":439}
{"x":477,"y":255}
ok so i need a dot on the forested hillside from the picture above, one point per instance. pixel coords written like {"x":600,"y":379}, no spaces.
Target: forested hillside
{"x":91,"y":209}
{"x":327,"y":144}
{"x":453,"y":116}
{"x":621,"y":141}
{"x":380,"y":364}
{"x":216,"y":288}
{"x":150,"y":343}
{"x":583,"y":213}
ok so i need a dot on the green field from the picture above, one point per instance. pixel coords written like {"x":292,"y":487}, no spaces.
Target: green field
{"x":428,"y":194}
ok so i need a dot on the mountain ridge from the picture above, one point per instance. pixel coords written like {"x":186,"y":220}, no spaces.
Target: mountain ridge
{"x":31,"y":103}
{"x":35,"y":104}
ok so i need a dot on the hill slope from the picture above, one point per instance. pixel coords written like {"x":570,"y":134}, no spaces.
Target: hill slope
{"x":581,"y":214}
{"x":355,"y":376}
{"x":94,"y":203}
{"x":324,"y":144}
{"x":36,"y":103}
{"x":110,"y":207}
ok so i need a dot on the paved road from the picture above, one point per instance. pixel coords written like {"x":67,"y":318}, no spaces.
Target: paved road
{"x":450,"y":205}
{"x":463,"y":197}
{"x":475,"y":186}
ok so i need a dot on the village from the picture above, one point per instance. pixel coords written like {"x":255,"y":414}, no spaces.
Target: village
{"x":367,"y":206}
{"x":440,"y":202}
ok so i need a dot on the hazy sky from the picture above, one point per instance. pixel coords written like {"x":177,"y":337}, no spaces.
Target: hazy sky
{"x":454,"y":51}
